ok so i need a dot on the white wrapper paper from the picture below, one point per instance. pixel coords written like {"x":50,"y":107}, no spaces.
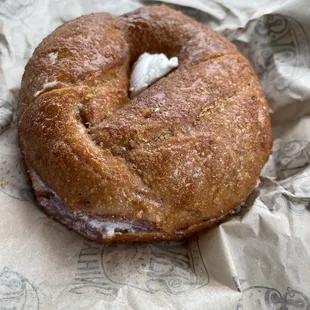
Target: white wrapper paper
{"x":260,"y":259}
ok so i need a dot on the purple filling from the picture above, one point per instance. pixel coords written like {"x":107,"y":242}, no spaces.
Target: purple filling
{"x":88,"y":225}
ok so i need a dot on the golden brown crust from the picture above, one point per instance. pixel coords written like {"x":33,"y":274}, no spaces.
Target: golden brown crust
{"x":187,"y":149}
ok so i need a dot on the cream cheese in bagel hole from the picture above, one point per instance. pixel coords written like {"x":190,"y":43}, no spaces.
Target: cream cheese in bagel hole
{"x":148,"y":69}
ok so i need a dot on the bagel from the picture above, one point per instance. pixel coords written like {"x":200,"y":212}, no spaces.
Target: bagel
{"x":172,"y":161}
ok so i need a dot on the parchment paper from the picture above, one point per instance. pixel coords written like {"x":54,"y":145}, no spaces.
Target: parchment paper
{"x":260,"y":259}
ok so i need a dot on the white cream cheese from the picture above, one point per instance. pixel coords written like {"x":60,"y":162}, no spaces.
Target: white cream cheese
{"x":148,"y":69}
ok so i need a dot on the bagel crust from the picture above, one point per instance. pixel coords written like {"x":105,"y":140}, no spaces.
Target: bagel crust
{"x":176,"y":159}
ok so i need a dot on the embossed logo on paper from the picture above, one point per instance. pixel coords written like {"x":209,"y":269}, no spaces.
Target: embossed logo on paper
{"x":295,"y":197}
{"x":89,"y":277}
{"x":263,"y":297}
{"x":297,"y":206}
{"x":172,"y":267}
{"x":292,"y":158}
{"x":5,"y":115}
{"x":159,"y":266}
{"x":279,"y":50}
{"x":16,"y":292}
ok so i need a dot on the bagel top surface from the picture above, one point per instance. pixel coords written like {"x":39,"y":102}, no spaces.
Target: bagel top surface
{"x":187,"y":149}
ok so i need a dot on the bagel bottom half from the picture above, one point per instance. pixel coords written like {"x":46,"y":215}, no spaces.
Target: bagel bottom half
{"x":104,"y":230}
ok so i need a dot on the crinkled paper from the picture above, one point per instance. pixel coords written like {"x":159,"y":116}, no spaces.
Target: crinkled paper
{"x":259,"y":259}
